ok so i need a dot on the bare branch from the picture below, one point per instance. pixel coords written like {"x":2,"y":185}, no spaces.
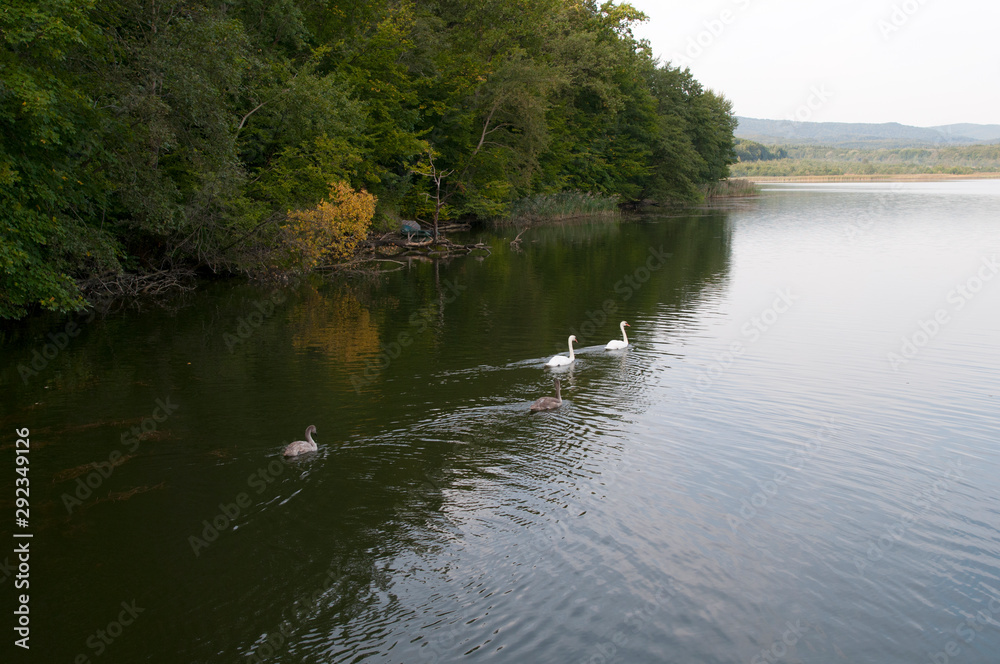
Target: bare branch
{"x":258,"y":107}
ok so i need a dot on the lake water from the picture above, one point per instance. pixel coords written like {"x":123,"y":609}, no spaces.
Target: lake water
{"x":796,"y":460}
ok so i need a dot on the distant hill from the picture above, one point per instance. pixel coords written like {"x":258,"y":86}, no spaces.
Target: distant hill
{"x":864,"y":135}
{"x":982,"y":133}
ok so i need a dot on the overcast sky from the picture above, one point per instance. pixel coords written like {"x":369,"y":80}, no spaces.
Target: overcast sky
{"x":918,"y":62}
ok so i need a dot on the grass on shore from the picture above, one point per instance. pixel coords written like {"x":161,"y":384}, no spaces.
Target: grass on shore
{"x":800,"y":167}
{"x":731,"y":188}
{"x":811,"y":160}
{"x":564,"y":205}
{"x":855,"y":177}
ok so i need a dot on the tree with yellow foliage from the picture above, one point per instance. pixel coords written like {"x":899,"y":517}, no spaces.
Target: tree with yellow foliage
{"x":331,"y":230}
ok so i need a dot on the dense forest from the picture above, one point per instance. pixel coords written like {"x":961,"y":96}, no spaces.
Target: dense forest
{"x":747,"y":150}
{"x":254,"y":136}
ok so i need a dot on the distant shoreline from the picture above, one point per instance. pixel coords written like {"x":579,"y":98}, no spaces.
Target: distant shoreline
{"x":898,"y":177}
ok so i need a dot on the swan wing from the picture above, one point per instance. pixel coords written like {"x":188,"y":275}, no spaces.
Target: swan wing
{"x":546,"y":403}
{"x":299,"y":447}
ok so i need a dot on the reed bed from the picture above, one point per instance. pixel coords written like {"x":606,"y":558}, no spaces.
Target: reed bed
{"x":731,"y":188}
{"x":564,"y":205}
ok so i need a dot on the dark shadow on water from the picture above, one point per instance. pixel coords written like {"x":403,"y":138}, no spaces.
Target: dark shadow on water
{"x":418,"y":381}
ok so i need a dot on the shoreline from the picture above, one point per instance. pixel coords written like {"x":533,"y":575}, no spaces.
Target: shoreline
{"x":897,"y":177}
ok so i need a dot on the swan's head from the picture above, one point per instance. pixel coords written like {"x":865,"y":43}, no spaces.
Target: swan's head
{"x":310,"y":429}
{"x":572,"y":338}
{"x":624,"y":324}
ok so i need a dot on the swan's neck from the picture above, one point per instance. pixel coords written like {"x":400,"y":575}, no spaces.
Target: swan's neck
{"x":309,"y":436}
{"x":571,"y":356}
{"x":558,"y":392}
{"x":624,"y":336}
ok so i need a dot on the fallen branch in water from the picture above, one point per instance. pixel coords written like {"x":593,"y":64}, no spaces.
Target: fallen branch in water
{"x":71,"y":473}
{"x":125,"y":495}
{"x":516,"y":242}
{"x":393,"y":240}
{"x":404,"y":248}
{"x":128,"y":284}
{"x":354,"y":266}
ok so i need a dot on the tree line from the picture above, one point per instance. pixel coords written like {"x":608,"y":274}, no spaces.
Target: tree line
{"x":794,"y":160}
{"x":137,"y":135}
{"x":747,"y":150}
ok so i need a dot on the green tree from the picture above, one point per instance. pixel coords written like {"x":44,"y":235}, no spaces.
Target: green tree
{"x":50,"y":148}
{"x":137,"y":135}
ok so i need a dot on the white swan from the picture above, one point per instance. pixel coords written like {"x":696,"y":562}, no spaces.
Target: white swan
{"x":302,"y":446}
{"x":562,"y":360}
{"x":616,"y":344}
{"x":548,"y":403}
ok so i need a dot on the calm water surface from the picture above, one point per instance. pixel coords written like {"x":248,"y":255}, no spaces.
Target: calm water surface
{"x":796,"y":460}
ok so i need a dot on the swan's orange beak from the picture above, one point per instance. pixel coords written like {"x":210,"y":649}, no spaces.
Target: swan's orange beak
{"x":627,"y":325}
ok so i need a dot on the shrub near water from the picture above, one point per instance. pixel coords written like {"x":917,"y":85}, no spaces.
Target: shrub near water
{"x":562,"y":205}
{"x":332,"y":229}
{"x":731,"y":188}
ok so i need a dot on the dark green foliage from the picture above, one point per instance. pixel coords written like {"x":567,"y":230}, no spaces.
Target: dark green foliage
{"x":137,"y":135}
{"x":51,"y":184}
{"x":747,"y":150}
